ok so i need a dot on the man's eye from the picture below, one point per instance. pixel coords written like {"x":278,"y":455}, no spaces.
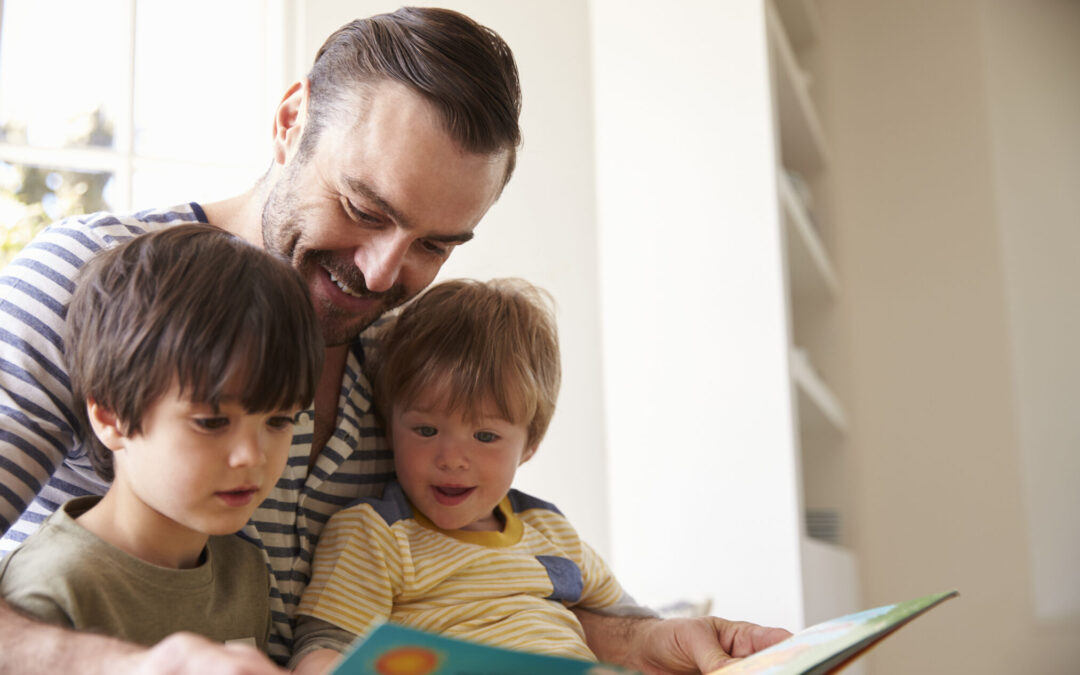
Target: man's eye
{"x":486,"y":436}
{"x":426,"y":431}
{"x":356,"y":214}
{"x":434,"y":248}
{"x":212,"y":423}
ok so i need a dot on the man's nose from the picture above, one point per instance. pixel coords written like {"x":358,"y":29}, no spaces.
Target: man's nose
{"x":382,"y":258}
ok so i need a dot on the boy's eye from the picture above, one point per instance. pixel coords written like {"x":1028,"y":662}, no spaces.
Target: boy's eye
{"x":425,"y":431}
{"x":280,"y":422}
{"x":212,"y":423}
{"x":486,"y":436}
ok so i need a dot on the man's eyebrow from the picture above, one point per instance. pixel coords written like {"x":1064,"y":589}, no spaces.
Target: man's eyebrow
{"x":362,"y":188}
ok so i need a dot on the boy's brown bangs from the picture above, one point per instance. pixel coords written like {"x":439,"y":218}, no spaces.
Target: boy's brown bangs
{"x":468,"y":386}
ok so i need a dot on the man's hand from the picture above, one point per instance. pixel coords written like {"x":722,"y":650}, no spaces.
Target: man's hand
{"x":28,"y":647}
{"x":190,"y":654}
{"x":700,"y":645}
{"x":674,"y":646}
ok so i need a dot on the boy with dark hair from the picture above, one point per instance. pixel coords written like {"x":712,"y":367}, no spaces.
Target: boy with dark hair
{"x":188,"y":384}
{"x":467,"y":378}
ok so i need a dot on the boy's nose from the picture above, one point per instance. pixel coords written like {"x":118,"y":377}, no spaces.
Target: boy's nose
{"x":248,"y":451}
{"x":451,"y":458}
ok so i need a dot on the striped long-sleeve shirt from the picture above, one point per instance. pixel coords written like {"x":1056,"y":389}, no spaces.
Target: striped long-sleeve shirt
{"x":43,"y":462}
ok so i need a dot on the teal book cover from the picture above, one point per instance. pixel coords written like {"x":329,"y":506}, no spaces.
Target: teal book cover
{"x":391,"y":649}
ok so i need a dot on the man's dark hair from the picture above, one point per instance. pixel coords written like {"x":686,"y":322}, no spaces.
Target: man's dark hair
{"x":464,"y":69}
{"x":197,"y":304}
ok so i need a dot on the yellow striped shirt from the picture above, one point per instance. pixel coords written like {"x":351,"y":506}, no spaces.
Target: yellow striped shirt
{"x":379,"y":560}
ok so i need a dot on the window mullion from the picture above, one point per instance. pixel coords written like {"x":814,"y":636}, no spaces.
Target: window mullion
{"x":80,"y":159}
{"x":125,"y":121}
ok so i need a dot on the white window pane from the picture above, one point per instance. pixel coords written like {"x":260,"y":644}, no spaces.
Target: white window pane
{"x":170,"y":185}
{"x":200,"y":74}
{"x":63,"y":71}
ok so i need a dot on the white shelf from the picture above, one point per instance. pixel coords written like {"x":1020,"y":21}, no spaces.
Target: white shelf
{"x":830,"y":580}
{"x":811,"y":271}
{"x":819,"y":410}
{"x":802,"y":139}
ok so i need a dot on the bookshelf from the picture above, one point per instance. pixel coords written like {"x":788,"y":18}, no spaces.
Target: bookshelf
{"x":815,"y":305}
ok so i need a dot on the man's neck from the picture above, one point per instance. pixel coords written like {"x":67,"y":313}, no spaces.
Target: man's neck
{"x":241,"y":215}
{"x":326,"y":398}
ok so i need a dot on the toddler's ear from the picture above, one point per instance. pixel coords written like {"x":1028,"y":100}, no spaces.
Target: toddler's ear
{"x":106,"y":425}
{"x":529,"y":452}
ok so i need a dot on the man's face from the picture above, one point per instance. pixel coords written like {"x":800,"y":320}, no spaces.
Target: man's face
{"x":369,"y":217}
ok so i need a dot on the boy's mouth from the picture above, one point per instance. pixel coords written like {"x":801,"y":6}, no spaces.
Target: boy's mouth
{"x":450,"y":495}
{"x":238,"y":497}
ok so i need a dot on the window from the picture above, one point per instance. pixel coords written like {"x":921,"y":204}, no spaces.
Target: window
{"x":129,"y":104}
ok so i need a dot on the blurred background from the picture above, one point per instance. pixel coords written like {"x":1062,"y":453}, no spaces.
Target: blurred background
{"x":814,"y":262}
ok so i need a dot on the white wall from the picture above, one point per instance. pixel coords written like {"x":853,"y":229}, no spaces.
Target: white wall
{"x":705,"y":502}
{"x":542,"y":229}
{"x":1033,"y":96}
{"x":954,"y":135}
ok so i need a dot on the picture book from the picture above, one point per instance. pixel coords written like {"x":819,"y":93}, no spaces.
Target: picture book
{"x":828,"y":646}
{"x":396,"y":650}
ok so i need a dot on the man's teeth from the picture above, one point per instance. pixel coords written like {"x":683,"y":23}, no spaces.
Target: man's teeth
{"x":344,"y":289}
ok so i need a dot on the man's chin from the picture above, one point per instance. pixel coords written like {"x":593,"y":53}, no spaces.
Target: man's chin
{"x":337,"y":331}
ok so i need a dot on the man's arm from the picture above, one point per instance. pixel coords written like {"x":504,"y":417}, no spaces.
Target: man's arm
{"x":674,"y":646}
{"x":31,"y":647}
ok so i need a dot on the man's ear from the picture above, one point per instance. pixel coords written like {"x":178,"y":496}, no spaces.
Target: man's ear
{"x":106,"y":426}
{"x":289,"y":119}
{"x":529,"y":452}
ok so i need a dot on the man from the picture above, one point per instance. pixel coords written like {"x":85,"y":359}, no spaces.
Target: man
{"x":385,"y":158}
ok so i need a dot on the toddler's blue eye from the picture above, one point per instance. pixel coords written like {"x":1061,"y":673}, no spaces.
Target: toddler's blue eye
{"x":486,"y":436}
{"x":426,"y":431}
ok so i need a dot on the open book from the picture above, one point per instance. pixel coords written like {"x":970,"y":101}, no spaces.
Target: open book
{"x":395,"y":650}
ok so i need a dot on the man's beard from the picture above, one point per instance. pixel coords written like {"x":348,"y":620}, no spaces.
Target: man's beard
{"x":339,"y":326}
{"x":283,"y":227}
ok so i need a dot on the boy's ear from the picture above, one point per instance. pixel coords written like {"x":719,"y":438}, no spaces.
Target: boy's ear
{"x":106,"y":425}
{"x":529,"y":452}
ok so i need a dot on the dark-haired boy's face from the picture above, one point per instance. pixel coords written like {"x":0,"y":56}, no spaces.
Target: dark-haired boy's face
{"x":195,"y":469}
{"x":375,"y":210}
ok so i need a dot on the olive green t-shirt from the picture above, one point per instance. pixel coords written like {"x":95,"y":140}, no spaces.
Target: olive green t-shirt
{"x":65,"y":574}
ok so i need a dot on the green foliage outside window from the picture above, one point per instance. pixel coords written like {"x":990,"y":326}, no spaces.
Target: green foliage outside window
{"x":31,"y":197}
